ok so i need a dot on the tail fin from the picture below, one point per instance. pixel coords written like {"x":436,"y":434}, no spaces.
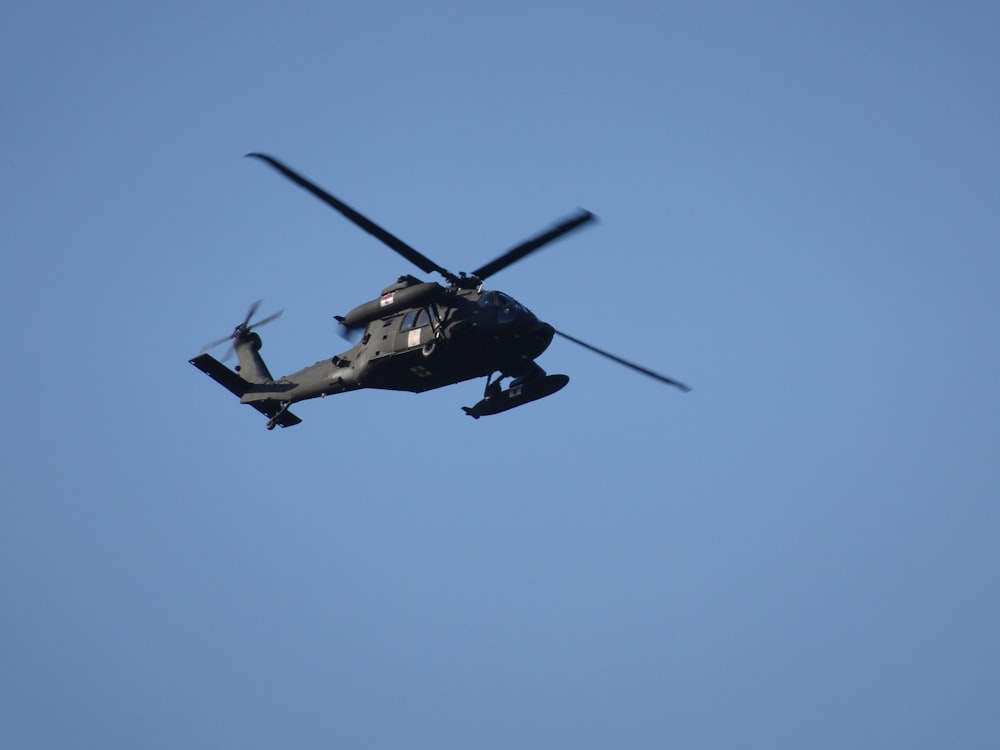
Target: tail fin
{"x":252,"y":368}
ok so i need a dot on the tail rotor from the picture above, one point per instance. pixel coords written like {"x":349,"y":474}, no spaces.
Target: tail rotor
{"x":242,"y":331}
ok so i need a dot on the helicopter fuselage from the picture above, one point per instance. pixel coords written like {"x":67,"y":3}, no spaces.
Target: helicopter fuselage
{"x":458,"y":335}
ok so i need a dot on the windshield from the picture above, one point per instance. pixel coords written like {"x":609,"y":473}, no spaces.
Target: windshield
{"x":499,"y":299}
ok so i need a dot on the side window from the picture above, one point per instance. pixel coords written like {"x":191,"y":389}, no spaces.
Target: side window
{"x":423,"y":319}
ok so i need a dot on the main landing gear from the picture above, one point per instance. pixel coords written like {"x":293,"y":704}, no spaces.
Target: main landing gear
{"x":523,"y":389}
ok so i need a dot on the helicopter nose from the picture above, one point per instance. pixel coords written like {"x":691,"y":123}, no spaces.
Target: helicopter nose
{"x":540,"y":335}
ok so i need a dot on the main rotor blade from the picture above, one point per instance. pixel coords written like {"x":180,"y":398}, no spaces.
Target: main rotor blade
{"x":632,"y":365}
{"x":417,"y":258}
{"x":529,"y":246}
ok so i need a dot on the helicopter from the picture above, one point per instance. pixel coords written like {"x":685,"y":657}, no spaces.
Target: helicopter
{"x":415,"y":336}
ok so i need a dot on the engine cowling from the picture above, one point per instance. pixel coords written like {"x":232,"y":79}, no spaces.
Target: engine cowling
{"x":391,"y":301}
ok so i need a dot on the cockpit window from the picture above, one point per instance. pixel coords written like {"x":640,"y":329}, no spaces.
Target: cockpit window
{"x":423,"y":319}
{"x":507,"y":308}
{"x":499,"y":299}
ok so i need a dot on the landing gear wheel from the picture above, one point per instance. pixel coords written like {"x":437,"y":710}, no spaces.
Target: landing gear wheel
{"x":432,"y":348}
{"x":277,"y":415}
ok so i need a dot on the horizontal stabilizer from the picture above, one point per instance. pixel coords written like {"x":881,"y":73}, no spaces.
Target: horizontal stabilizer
{"x":221,"y":374}
{"x":236,"y":385}
{"x":268,"y":409}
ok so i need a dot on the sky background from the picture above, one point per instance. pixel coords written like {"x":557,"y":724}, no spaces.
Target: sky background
{"x":798,"y":209}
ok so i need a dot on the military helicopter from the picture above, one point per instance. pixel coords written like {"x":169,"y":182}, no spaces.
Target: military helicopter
{"x":416,"y":336}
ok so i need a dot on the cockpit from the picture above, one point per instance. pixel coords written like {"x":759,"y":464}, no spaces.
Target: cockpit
{"x":507,"y":307}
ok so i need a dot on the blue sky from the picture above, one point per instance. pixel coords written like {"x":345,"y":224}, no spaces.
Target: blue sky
{"x":798,"y":207}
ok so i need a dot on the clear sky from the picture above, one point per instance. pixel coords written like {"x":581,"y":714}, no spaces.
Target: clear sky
{"x":799,"y":217}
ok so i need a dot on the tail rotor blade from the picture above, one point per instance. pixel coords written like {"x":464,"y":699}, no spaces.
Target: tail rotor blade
{"x":242,"y":329}
{"x":632,"y":365}
{"x":214,"y":344}
{"x":266,"y":320}
{"x":251,"y":312}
